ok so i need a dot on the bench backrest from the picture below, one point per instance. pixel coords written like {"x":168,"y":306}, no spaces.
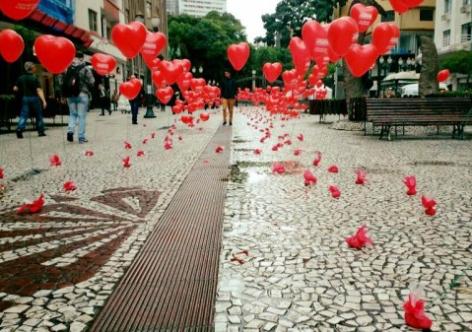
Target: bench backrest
{"x":420,"y":109}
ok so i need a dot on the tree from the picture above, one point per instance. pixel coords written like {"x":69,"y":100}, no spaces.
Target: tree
{"x":290,"y":15}
{"x":458,"y":62}
{"x":204,"y":40}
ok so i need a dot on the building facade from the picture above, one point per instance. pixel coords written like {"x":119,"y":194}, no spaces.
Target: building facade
{"x":453,"y":32}
{"x":198,"y":8}
{"x":172,"y":7}
{"x":98,"y":18}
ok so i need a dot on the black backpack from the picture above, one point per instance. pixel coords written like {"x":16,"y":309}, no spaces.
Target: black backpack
{"x":71,"y":86}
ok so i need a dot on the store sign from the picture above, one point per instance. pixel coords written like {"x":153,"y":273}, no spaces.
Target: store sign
{"x":62,"y":10}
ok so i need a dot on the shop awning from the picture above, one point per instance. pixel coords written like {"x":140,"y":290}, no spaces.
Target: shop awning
{"x":68,"y":30}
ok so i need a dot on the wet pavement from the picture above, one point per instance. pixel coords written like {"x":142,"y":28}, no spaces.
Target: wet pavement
{"x":285,"y":265}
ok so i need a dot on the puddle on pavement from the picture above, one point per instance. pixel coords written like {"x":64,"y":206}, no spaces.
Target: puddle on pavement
{"x":435,"y":163}
{"x":243,"y":150}
{"x":239,"y":141}
{"x":28,"y":175}
{"x":252,"y":172}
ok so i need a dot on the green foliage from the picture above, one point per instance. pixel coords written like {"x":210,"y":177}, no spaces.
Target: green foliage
{"x":204,"y":40}
{"x":457,"y":62}
{"x":290,"y":15}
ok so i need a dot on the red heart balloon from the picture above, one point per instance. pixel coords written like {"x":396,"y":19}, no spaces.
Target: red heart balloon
{"x":54,"y":53}
{"x":364,"y":15}
{"x":399,"y":6}
{"x":171,"y":71}
{"x":204,"y":116}
{"x":12,"y":45}
{"x":238,"y":54}
{"x":197,"y":83}
{"x":300,"y":54}
{"x":342,"y":33}
{"x":272,"y":71}
{"x":315,"y":37}
{"x":382,"y":37}
{"x":186,"y":64}
{"x":154,"y":44}
{"x":290,"y":78}
{"x":187,"y":119}
{"x":443,"y":75}
{"x":152,"y":64}
{"x":18,"y":9}
{"x":360,"y":58}
{"x":184,"y":81}
{"x":159,"y":79}
{"x":396,"y":34}
{"x":165,"y":94}
{"x":333,"y":57}
{"x":131,"y":88}
{"x":129,"y":38}
{"x":103,"y":64}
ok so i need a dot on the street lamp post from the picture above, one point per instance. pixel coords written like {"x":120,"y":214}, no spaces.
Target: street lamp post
{"x":253,"y":80}
{"x":155,"y":21}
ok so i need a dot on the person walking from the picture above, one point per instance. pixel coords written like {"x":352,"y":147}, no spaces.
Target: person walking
{"x":135,"y":103}
{"x":32,"y":99}
{"x":104,"y":100}
{"x":78,"y":83}
{"x":228,"y":94}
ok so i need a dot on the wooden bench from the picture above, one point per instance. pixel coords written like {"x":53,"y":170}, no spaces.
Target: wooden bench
{"x":402,"y":112}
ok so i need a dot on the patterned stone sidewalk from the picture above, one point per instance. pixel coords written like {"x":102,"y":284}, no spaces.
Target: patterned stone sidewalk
{"x":285,"y":265}
{"x":58,"y":268}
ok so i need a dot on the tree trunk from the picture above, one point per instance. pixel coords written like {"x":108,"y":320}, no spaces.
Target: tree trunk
{"x":429,"y":68}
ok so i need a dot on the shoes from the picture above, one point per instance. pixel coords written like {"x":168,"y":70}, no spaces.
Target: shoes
{"x":19,"y":134}
{"x":230,"y":123}
{"x":224,"y":123}
{"x":41,"y":134}
{"x":102,"y":114}
{"x":70,"y":137}
{"x":135,"y":123}
{"x":83,"y":140}
{"x":109,"y":112}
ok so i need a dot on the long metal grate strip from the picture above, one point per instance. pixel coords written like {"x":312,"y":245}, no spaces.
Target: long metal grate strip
{"x":171,"y":285}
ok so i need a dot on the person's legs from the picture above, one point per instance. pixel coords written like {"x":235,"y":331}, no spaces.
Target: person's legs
{"x":134,"y":111}
{"x":82,"y":109}
{"x":72,"y":103}
{"x":35,"y":104}
{"x":225,"y":110}
{"x":24,"y":113}
{"x":231,"y":109}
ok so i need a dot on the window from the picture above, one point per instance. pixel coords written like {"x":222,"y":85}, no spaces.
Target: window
{"x":426,"y":14}
{"x":389,"y":16}
{"x":447,"y":6}
{"x":466,"y":2}
{"x":466,"y":34}
{"x":446,"y":38}
{"x":92,"y":20}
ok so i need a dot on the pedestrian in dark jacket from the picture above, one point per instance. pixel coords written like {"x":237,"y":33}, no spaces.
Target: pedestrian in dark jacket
{"x":77,"y":87}
{"x":32,"y":99}
{"x":228,"y":95}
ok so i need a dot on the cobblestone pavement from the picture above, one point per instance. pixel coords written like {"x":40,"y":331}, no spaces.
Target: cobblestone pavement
{"x":58,"y":268}
{"x":285,"y":265}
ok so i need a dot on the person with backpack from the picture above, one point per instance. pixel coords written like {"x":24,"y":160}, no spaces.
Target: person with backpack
{"x":32,"y":99}
{"x":78,"y":83}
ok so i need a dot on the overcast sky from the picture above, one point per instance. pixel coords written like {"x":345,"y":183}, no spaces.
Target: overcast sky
{"x":249,"y":12}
